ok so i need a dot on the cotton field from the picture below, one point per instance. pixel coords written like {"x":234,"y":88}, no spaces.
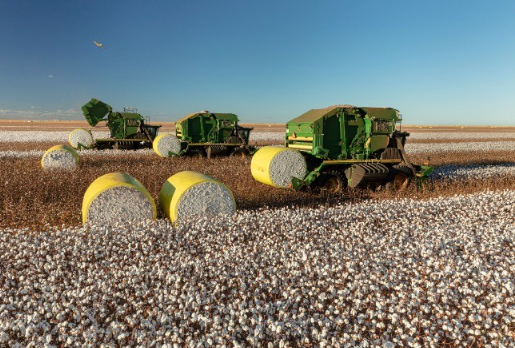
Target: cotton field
{"x":391,"y":273}
{"x":12,"y":136}
{"x":85,"y":153}
{"x":461,"y":146}
{"x":432,"y":266}
{"x":450,"y":172}
{"x":461,"y":135}
{"x":40,"y":136}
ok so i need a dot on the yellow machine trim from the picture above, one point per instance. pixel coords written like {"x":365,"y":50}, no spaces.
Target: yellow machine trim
{"x":108,"y":181}
{"x":176,"y":186}
{"x":299,"y":146}
{"x":300,"y":138}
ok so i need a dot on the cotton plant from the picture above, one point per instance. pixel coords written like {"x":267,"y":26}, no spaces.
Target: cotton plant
{"x":392,"y":273}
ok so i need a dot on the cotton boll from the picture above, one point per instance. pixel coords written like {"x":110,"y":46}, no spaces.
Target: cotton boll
{"x":243,"y":279}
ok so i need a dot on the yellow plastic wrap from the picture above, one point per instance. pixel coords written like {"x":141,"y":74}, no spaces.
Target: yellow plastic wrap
{"x":176,"y":187}
{"x":262,"y":161}
{"x":176,"y":148}
{"x":61,"y":148}
{"x":108,"y":181}
{"x":155,"y":142}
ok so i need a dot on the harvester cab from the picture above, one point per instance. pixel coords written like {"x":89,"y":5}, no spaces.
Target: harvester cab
{"x":128,"y":129}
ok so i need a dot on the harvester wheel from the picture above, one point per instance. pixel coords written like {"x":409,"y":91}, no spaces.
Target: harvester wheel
{"x":239,"y":152}
{"x":398,"y":178}
{"x":332,"y":182}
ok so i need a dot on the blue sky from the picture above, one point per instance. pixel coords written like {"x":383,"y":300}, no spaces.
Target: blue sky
{"x":438,"y":62}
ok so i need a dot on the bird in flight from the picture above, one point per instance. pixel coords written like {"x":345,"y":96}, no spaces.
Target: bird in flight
{"x":98,"y":44}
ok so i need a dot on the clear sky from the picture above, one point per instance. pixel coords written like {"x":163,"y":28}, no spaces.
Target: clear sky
{"x":438,"y":62}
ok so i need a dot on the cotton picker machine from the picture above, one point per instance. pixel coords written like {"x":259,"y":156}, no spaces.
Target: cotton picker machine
{"x":206,"y":133}
{"x":127,"y":129}
{"x":337,"y":147}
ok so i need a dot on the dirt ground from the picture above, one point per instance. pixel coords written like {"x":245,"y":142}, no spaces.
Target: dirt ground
{"x":32,"y":198}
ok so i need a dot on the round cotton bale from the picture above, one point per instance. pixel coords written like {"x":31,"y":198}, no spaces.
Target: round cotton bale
{"x":61,"y":157}
{"x":195,"y":194}
{"x":81,"y":137}
{"x":276,"y":166}
{"x":166,"y":144}
{"x":117,"y":198}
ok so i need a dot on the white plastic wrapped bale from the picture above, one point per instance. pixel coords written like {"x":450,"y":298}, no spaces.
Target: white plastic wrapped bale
{"x":166,"y":144}
{"x":276,"y":166}
{"x":117,"y":198}
{"x":60,"y":157}
{"x":191,"y":193}
{"x":81,"y":137}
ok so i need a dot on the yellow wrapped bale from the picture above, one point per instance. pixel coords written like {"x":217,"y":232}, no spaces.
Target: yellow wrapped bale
{"x":81,"y":137}
{"x":166,"y":144}
{"x":276,"y":166}
{"x":61,"y":157}
{"x":117,"y":198}
{"x":194,"y":194}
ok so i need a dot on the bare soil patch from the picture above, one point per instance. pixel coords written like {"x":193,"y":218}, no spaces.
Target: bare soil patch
{"x":30,"y":197}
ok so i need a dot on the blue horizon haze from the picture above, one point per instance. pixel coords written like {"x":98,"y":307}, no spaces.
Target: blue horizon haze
{"x":438,"y":62}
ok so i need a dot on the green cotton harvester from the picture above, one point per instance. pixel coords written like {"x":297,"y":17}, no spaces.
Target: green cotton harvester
{"x":127,"y":129}
{"x":348,"y":146}
{"x":212,"y":133}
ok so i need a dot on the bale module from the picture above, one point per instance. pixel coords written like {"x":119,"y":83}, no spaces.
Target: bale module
{"x":191,"y":193}
{"x":276,"y":166}
{"x":208,"y":133}
{"x":117,"y":198}
{"x":61,"y":157}
{"x":166,"y":145}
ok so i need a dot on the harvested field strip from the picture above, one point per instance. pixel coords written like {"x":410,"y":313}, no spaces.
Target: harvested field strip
{"x":266,"y":136}
{"x":460,"y":135}
{"x":449,"y":172}
{"x":464,"y":157}
{"x":83,"y":153}
{"x":454,"y":141}
{"x":32,"y":198}
{"x":38,"y":136}
{"x":453,"y":147}
{"x":377,"y":272}
{"x":411,"y":148}
{"x":27,"y":146}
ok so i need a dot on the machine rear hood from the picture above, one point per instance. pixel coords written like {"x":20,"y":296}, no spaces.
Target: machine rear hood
{"x":95,"y":111}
